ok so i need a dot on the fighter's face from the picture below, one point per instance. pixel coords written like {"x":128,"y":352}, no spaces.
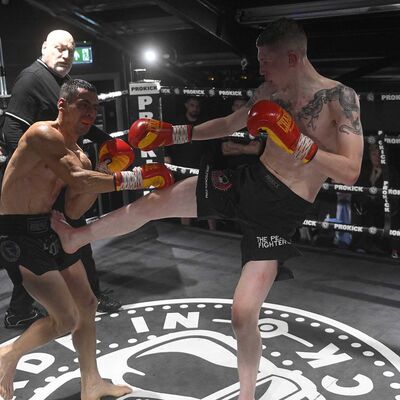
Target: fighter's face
{"x":81,"y":112}
{"x":58,"y":54}
{"x":273,"y":65}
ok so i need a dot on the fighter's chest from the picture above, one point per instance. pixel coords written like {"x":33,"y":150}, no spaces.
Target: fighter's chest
{"x":315,"y":119}
{"x":77,"y":158}
{"x":319,"y":126}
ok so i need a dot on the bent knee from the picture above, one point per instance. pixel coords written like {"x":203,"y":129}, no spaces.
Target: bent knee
{"x":64,"y":323}
{"x":88,"y":305}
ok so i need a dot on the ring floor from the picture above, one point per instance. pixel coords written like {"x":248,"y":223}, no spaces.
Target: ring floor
{"x":331,"y":333}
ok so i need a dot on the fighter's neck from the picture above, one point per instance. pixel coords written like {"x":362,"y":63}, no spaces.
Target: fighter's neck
{"x":303,"y":85}
{"x":71,"y":137}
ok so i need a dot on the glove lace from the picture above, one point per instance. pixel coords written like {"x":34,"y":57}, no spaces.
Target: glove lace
{"x":130,"y":180}
{"x":303,"y":147}
{"x":180,"y":134}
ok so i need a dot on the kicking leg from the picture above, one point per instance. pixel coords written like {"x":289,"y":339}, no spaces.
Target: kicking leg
{"x":84,"y":336}
{"x":178,"y":200}
{"x":254,"y":284}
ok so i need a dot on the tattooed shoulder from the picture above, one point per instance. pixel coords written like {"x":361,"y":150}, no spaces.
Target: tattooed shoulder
{"x":348,"y":99}
{"x":350,"y":109}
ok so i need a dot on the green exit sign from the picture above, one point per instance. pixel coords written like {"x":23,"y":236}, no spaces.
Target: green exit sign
{"x":83,"y":55}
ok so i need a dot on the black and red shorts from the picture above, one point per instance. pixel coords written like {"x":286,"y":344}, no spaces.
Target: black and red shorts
{"x":267,"y":210}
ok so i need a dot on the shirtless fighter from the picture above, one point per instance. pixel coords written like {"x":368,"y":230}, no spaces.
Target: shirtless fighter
{"x":46,"y":159}
{"x":314,"y":132}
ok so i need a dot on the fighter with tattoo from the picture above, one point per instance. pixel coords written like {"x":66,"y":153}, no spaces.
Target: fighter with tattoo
{"x":314,"y":130}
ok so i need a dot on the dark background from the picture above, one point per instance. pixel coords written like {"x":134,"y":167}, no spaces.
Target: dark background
{"x":211,"y":43}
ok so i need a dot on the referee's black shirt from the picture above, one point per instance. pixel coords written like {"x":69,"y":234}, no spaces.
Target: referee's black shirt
{"x":34,"y":98}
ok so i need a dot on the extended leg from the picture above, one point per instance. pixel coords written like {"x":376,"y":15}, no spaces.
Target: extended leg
{"x":178,"y":200}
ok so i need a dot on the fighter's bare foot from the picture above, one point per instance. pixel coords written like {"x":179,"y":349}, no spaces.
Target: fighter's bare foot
{"x":8,"y":365}
{"x":64,"y":231}
{"x":102,"y":388}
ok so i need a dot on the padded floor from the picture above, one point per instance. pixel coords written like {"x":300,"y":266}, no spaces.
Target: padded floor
{"x":331,"y":333}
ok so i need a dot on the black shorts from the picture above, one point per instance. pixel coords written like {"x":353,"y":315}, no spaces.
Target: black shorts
{"x":28,"y":240}
{"x":267,"y":210}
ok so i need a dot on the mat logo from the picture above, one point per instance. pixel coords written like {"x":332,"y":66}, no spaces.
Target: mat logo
{"x":184,"y":349}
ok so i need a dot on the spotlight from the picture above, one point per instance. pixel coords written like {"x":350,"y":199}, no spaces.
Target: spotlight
{"x":150,"y":56}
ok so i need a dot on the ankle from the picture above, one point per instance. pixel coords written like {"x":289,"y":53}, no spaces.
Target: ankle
{"x":89,"y":380}
{"x":9,"y":354}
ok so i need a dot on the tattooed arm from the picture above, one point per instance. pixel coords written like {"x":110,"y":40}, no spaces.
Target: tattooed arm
{"x":344,"y":166}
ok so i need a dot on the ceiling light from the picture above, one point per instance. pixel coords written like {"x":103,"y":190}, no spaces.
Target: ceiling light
{"x":150,"y":56}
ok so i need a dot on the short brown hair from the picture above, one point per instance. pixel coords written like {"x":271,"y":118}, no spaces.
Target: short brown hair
{"x":283,"y":30}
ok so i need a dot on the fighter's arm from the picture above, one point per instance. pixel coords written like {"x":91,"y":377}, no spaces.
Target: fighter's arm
{"x":221,"y":127}
{"x":225,"y":126}
{"x":148,"y":134}
{"x":114,"y":155}
{"x":344,"y":165}
{"x":48,"y":144}
{"x":76,"y":204}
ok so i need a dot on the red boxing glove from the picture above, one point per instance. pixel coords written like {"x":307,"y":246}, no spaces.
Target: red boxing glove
{"x":267,"y":116}
{"x":116,"y":154}
{"x":153,"y":175}
{"x":148,"y":134}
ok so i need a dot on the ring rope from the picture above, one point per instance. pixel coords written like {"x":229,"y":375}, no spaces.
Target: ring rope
{"x":372,"y":190}
{"x":112,"y":95}
{"x":154,"y":87}
{"x":239,"y":134}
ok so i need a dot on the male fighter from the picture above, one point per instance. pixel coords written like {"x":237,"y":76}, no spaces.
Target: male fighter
{"x":48,"y":158}
{"x":314,"y":131}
